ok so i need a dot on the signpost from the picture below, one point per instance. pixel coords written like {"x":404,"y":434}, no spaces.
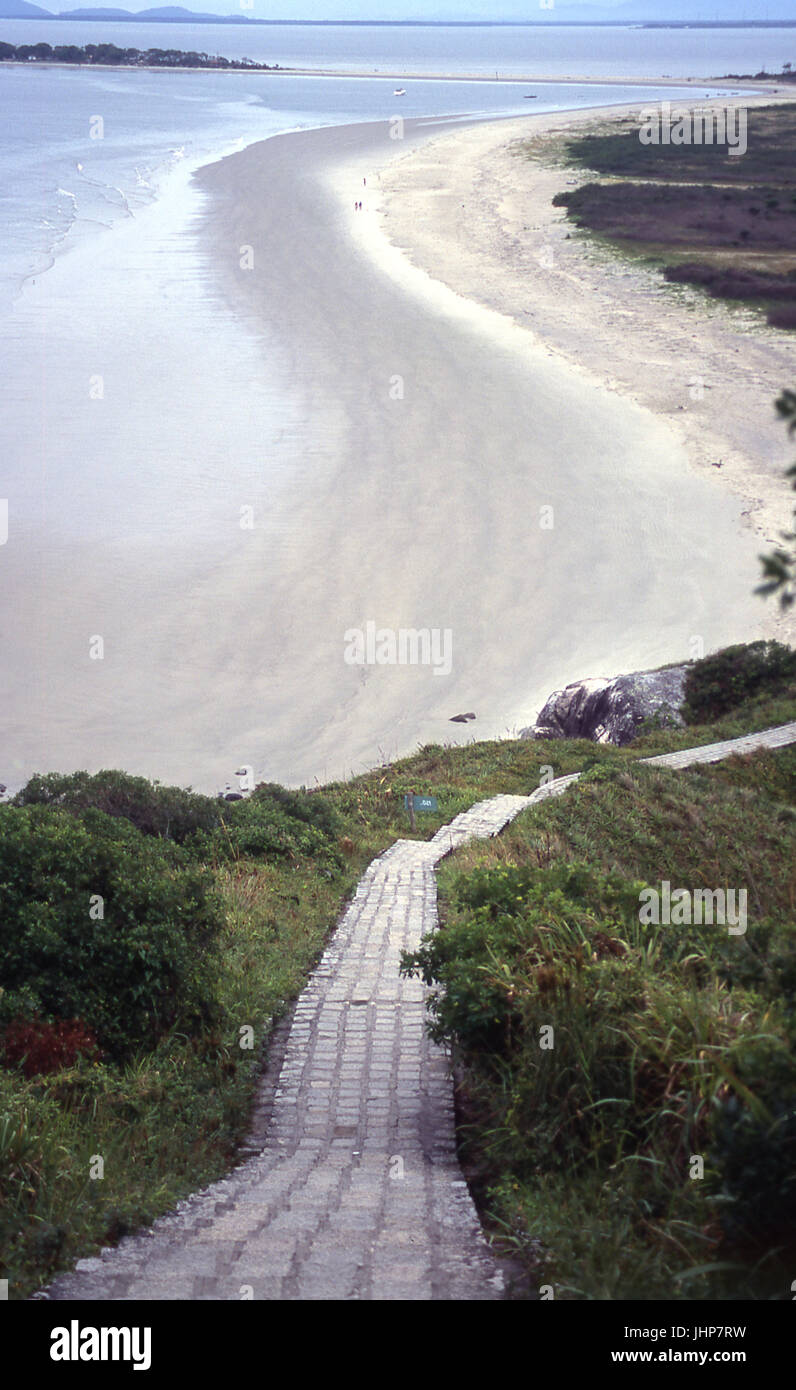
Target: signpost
{"x":419,"y":804}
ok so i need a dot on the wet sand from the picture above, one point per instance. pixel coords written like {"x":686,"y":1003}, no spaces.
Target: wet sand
{"x":437,"y":466}
{"x":431,"y":509}
{"x":474,"y":211}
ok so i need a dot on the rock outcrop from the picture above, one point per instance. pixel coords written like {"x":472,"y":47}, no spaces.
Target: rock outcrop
{"x":612,"y":711}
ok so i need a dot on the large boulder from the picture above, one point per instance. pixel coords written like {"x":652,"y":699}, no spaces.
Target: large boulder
{"x":612,"y":711}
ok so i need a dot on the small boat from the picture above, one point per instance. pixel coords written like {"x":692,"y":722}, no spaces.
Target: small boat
{"x":399,"y":92}
{"x":531,"y":96}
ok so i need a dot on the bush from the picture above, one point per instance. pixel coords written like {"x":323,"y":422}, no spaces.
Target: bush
{"x":588,"y":1040}
{"x":99,"y":923}
{"x":784,"y":316}
{"x":729,"y":282}
{"x":273,"y":824}
{"x":754,"y":1140}
{"x":172,"y":813}
{"x":523,"y":933}
{"x":310,"y":807}
{"x":720,"y":682}
{"x":39,"y":1047}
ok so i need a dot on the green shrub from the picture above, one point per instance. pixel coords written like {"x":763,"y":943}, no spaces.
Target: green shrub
{"x":522,"y":932}
{"x":273,"y":823}
{"x":101,"y":924}
{"x":720,"y":682}
{"x":172,"y":813}
{"x":310,"y":807}
{"x":659,"y":1049}
{"x":271,"y":827}
{"x":754,"y":1140}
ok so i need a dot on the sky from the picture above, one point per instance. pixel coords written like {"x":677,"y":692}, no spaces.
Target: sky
{"x":464,"y":9}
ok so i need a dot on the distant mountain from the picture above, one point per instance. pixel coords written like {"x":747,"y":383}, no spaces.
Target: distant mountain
{"x":174,"y":14}
{"x":164,"y":14}
{"x":94,"y":14}
{"x":20,"y":9}
{"x":516,"y":11}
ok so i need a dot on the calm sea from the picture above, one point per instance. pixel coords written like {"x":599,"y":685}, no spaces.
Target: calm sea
{"x":548,"y":51}
{"x":152,"y":122}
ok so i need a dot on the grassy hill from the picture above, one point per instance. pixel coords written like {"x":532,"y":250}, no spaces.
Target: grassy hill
{"x":150,"y":938}
{"x":646,"y":1148}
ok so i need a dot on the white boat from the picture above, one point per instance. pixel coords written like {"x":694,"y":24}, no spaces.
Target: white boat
{"x":399,"y":92}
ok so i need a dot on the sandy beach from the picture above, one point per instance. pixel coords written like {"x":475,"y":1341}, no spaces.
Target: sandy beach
{"x":473,"y":210}
{"x":455,"y":420}
{"x":509,"y":494}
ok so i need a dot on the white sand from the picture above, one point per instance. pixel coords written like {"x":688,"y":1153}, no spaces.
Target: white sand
{"x":418,"y":507}
{"x":430,"y":512}
{"x":477,"y":214}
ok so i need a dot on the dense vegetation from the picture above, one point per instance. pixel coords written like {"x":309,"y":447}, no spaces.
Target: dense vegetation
{"x":708,"y":218}
{"x":107,"y":54}
{"x":100,"y":926}
{"x":627,"y":1089}
{"x":721,"y":682}
{"x":151,"y":936}
{"x":786,"y":75}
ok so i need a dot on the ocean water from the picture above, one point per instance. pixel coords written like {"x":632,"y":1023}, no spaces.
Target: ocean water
{"x":549,"y":51}
{"x":122,"y":367}
{"x":82,"y":150}
{"x":100,"y":278}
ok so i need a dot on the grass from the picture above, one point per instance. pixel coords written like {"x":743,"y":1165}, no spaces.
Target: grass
{"x":704,"y":217}
{"x":462,"y":774}
{"x":169,"y":1121}
{"x":669,"y":1043}
{"x":723,"y":823}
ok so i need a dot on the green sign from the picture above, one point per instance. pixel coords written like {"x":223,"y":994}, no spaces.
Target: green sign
{"x":421,"y":803}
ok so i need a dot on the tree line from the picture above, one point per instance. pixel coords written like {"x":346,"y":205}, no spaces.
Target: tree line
{"x":108,"y":54}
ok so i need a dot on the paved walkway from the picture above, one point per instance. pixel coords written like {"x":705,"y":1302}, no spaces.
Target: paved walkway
{"x":357,"y":1192}
{"x":738,"y":747}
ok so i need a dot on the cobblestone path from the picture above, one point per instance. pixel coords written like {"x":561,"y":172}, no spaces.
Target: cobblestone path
{"x":356,"y":1192}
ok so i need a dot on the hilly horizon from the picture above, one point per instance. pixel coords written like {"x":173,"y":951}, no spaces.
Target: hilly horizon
{"x":359,"y":11}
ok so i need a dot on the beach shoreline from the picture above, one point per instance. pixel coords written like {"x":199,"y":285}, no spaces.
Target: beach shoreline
{"x":414,"y":483}
{"x":469,"y":212}
{"x":406,"y":456}
{"x":687,"y":83}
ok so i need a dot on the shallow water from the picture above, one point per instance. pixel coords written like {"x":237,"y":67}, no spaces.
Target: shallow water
{"x":549,"y":51}
{"x":146,"y":417}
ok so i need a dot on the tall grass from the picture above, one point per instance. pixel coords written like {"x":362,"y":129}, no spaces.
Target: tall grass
{"x":649,"y":1151}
